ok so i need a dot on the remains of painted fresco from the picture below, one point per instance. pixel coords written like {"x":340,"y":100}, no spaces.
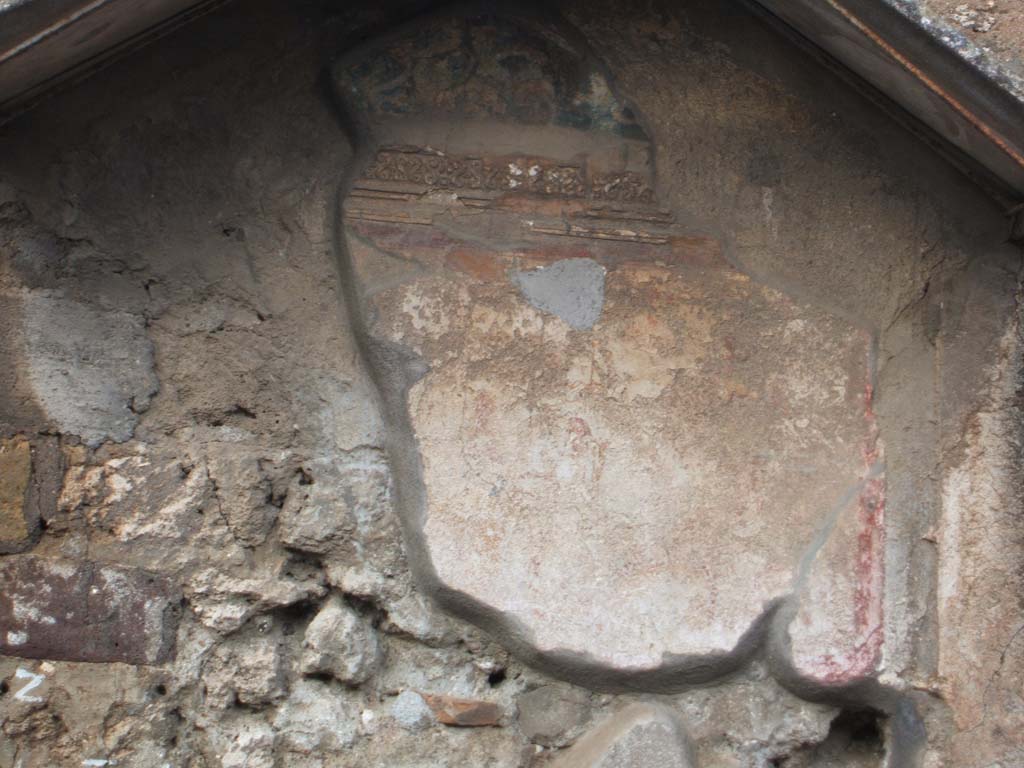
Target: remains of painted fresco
{"x":595,"y":400}
{"x":590,"y":385}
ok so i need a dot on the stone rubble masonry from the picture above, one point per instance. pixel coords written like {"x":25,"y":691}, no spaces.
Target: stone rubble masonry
{"x":86,"y":611}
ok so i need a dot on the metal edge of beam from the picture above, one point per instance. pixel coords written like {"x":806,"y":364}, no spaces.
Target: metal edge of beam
{"x":36,"y":92}
{"x":944,"y":98}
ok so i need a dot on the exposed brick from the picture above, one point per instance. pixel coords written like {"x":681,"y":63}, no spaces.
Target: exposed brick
{"x":467,"y":713}
{"x":85,"y":611}
{"x":30,"y":471}
{"x":15,"y":475}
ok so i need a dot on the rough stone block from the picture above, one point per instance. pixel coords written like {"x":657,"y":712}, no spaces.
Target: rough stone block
{"x":242,"y":489}
{"x":224,"y":602}
{"x":639,"y":736}
{"x":416,"y":616}
{"x":85,"y":611}
{"x":340,"y":643}
{"x":248,"y":671}
{"x":317,"y":718}
{"x":316,"y":515}
{"x":246,"y":743}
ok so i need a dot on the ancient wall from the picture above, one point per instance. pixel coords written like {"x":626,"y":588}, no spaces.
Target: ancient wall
{"x":595,"y":384}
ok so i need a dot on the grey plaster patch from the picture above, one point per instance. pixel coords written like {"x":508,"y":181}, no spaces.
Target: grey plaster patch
{"x":91,"y":370}
{"x":572,"y":289}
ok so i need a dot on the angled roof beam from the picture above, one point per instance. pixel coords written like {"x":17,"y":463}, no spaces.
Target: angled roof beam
{"x":959,"y":99}
{"x":47,"y":42}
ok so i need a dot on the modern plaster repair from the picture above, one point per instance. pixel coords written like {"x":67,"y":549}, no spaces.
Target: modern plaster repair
{"x":572,"y":289}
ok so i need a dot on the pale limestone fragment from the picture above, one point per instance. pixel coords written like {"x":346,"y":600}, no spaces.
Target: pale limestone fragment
{"x":315,"y":516}
{"x":317,"y":716}
{"x":249,"y":744}
{"x":340,"y":643}
{"x":411,"y":711}
{"x":553,"y":715}
{"x":249,"y":672}
{"x":640,"y":736}
{"x":414,"y":615}
{"x":224,"y":602}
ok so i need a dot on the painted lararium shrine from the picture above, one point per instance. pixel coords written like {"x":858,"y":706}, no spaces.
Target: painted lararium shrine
{"x":511,"y":385}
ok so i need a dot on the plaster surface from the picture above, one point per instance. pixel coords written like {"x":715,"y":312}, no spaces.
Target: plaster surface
{"x":602,"y":406}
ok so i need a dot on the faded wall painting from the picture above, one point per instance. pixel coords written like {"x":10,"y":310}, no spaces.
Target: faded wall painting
{"x":615,"y":449}
{"x":583,"y":384}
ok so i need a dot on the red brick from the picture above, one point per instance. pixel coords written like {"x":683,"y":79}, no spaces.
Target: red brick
{"x":467,"y":713}
{"x":85,"y":611}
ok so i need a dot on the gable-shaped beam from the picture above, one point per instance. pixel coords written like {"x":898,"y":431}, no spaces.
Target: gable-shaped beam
{"x":44,"y":43}
{"x":965,"y":104}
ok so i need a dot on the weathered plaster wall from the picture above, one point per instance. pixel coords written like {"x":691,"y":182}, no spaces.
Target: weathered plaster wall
{"x":193,"y":477}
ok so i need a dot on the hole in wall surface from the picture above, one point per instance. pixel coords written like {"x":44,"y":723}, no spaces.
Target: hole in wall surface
{"x":856,"y":739}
